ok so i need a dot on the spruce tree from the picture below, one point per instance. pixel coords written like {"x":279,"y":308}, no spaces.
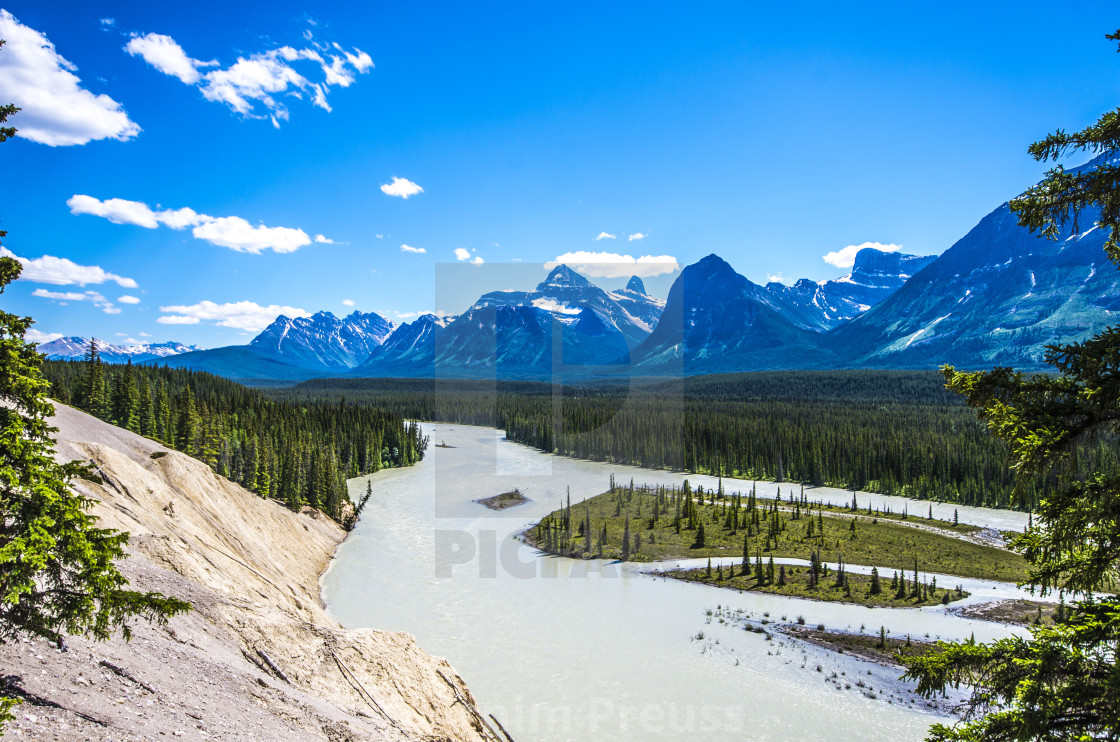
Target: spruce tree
{"x":58,"y":572}
{"x":1061,"y":682}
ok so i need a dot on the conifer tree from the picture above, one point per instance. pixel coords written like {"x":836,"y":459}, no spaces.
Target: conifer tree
{"x":1061,"y":682}
{"x":57,"y":568}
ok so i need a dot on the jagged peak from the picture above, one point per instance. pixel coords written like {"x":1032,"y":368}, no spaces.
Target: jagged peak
{"x":562,"y":275}
{"x":636,"y":284}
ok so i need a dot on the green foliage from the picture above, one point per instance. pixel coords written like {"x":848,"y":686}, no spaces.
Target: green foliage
{"x":1063,"y":682}
{"x":57,"y":569}
{"x":1062,"y":197}
{"x":1060,"y":684}
{"x":297,"y":453}
{"x":6,"y":133}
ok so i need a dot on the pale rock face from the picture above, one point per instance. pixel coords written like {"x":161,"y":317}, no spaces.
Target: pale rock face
{"x":251,"y":568}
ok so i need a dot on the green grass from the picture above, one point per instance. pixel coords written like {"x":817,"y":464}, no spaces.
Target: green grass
{"x":857,"y":589}
{"x":879,"y":541}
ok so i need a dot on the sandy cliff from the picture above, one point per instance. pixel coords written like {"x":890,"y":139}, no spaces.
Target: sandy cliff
{"x":257,"y":658}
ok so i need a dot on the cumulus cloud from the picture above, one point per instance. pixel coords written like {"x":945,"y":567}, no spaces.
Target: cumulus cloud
{"x":116,"y":210}
{"x":64,"y":272}
{"x":41,"y":337}
{"x":163,"y":53}
{"x":464,"y":255}
{"x":253,"y":86}
{"x":401,"y":188}
{"x":613,"y":265}
{"x":126,"y":299}
{"x":323,"y":239}
{"x":237,"y":234}
{"x":65,"y":297}
{"x":605,"y":236}
{"x":57,"y":110}
{"x":417,"y":250}
{"x":225,"y":231}
{"x":636,"y":236}
{"x":241,"y":315}
{"x":348,"y":302}
{"x":846,"y":257}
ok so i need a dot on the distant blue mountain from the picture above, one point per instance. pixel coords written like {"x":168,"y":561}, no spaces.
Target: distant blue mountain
{"x":240,"y":363}
{"x":75,"y":348}
{"x":323,"y":342}
{"x":998,"y":296}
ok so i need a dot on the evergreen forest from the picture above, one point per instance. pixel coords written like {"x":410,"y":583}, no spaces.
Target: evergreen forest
{"x":892,"y":432}
{"x":299,"y":454}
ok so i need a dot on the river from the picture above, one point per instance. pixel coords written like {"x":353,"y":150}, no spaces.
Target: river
{"x":560,"y":649}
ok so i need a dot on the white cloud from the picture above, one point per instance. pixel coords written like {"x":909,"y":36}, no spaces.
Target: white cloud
{"x":242,"y":315}
{"x":775,"y":278}
{"x":181,"y":218}
{"x":323,"y":239}
{"x":401,"y":188}
{"x":60,"y":295}
{"x":225,"y":231}
{"x":636,"y":236}
{"x":57,"y":110}
{"x":41,"y":337}
{"x":462,"y":253}
{"x":64,"y":272}
{"x":418,"y":250}
{"x":846,"y":257}
{"x":252,"y":86}
{"x":237,"y":234}
{"x":94,"y":297}
{"x":116,"y":210}
{"x":126,"y":299}
{"x":348,"y":302}
{"x":167,"y":56}
{"x":144,"y":335}
{"x":613,"y":265}
{"x":379,"y":236}
{"x":177,"y":320}
{"x":605,"y":236}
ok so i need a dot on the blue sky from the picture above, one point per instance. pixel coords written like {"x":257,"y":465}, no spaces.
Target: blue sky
{"x":770,"y":134}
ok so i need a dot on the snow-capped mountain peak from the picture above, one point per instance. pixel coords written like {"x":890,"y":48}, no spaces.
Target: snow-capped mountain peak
{"x":74,"y":348}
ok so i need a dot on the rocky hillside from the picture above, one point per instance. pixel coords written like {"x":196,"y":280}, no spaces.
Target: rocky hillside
{"x":258,"y":657}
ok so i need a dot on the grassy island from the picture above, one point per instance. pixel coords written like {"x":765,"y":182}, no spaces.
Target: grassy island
{"x":656,"y":523}
{"x":901,"y":590}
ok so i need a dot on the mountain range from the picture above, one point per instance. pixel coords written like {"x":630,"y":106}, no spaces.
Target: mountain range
{"x":998,"y":296}
{"x":75,"y":348}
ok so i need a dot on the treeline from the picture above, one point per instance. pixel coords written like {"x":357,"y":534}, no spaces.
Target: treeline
{"x":893,"y":432}
{"x":298,"y":454}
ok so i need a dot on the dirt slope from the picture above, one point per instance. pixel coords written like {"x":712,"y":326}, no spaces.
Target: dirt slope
{"x":257,"y":658}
